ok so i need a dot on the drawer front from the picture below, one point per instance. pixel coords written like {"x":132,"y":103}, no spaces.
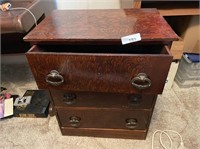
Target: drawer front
{"x":104,"y":119}
{"x":107,"y":133}
{"x":102,"y":100}
{"x":117,"y":73}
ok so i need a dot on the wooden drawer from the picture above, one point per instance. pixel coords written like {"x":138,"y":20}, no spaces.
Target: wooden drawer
{"x":108,"y":133}
{"x":104,"y":119}
{"x":102,"y":68}
{"x":90,"y":100}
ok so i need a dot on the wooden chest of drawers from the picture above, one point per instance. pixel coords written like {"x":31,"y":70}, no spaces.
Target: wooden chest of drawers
{"x":100,"y":87}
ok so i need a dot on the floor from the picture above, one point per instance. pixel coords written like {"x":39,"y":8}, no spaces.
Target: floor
{"x":176,"y":109}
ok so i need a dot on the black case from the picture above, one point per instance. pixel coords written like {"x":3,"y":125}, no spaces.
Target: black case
{"x":39,"y":106}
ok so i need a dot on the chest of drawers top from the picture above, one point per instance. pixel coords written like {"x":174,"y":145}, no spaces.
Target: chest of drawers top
{"x":101,"y":26}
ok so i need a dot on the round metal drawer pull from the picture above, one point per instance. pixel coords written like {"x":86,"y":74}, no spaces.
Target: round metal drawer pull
{"x":141,"y":81}
{"x":54,"y":75}
{"x":69,"y":98}
{"x":135,"y":99}
{"x":131,"y":123}
{"x":74,"y":121}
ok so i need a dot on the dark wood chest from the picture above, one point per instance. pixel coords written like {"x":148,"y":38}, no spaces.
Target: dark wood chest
{"x":100,"y":87}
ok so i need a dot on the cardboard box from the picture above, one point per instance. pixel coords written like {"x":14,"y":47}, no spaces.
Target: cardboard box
{"x":191,"y":36}
{"x":177,"y":49}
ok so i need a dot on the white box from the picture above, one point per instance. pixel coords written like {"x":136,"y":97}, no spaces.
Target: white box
{"x":171,"y":75}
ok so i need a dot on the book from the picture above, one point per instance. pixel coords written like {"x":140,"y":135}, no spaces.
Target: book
{"x":6,"y":108}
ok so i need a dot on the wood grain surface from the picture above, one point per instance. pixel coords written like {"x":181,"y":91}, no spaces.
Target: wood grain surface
{"x":84,"y":46}
{"x":97,"y":72}
{"x":104,"y":26}
{"x":95,"y":100}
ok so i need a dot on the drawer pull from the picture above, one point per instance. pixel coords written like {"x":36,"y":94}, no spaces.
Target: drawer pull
{"x":74,"y":121}
{"x":141,"y":81}
{"x":69,"y":98}
{"x":54,"y":78}
{"x":135,"y":99}
{"x":131,"y":123}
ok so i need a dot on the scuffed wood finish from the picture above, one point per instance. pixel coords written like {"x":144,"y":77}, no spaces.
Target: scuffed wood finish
{"x":95,"y":100}
{"x":101,"y":26}
{"x":100,"y":72}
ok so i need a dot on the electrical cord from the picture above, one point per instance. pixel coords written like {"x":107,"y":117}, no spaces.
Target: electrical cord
{"x":7,"y":6}
{"x":181,"y":146}
{"x":22,"y":8}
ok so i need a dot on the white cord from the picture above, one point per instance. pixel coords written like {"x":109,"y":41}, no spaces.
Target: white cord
{"x":22,"y":8}
{"x":7,"y":6}
{"x":181,"y":146}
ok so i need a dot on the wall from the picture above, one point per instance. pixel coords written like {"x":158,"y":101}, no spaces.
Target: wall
{"x":48,"y":5}
{"x":93,"y":4}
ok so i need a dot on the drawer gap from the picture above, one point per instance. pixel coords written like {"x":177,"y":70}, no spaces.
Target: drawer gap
{"x":103,"y":49}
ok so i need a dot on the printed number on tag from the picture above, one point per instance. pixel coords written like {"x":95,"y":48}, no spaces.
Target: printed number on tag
{"x":131,"y":38}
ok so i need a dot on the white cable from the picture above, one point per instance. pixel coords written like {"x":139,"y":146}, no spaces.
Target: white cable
{"x":170,"y":131}
{"x":181,"y":146}
{"x":161,"y":139}
{"x":22,"y":8}
{"x":161,"y":142}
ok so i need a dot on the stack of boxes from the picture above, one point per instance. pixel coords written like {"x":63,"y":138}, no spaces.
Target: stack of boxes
{"x":188,"y":74}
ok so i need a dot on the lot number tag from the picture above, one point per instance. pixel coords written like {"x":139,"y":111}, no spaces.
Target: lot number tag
{"x":131,"y":38}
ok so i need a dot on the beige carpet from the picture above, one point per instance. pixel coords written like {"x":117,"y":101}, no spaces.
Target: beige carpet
{"x":176,"y":109}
